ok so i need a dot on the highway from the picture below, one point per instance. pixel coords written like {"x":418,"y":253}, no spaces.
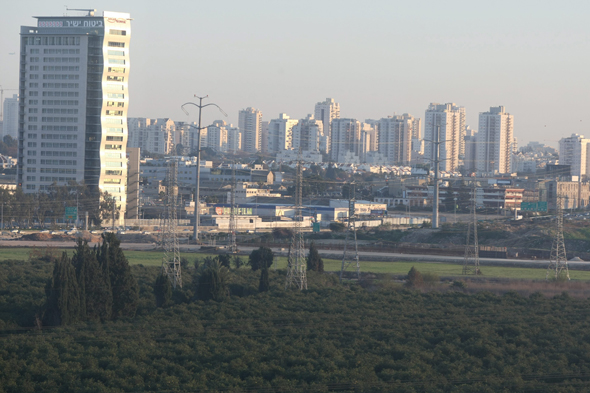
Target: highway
{"x":331,"y":254}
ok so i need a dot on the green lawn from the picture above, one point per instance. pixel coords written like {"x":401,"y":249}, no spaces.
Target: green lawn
{"x":154,"y":258}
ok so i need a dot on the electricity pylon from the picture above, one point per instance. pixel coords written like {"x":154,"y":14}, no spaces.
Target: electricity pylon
{"x":171,"y":260}
{"x":471,"y":261}
{"x":233,"y":248}
{"x":348,"y":258}
{"x":296,"y":264}
{"x":558,"y":259}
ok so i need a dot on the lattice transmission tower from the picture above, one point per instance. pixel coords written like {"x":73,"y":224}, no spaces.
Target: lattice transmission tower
{"x":558,"y":259}
{"x":233,"y":248}
{"x":171,"y":260}
{"x":351,"y":252}
{"x":471,"y":261}
{"x":296,"y":264}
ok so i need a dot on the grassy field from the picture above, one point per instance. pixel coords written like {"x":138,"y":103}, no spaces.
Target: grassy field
{"x":154,"y":258}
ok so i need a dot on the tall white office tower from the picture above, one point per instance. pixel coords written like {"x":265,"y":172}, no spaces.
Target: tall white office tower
{"x":249,"y":122}
{"x":74,"y":74}
{"x":326,"y":112}
{"x":280,"y":133}
{"x":345,"y":141}
{"x":494,"y":141}
{"x":10,"y":117}
{"x":574,"y":151}
{"x":395,"y":138}
{"x":449,"y":120}
{"x":309,"y":135}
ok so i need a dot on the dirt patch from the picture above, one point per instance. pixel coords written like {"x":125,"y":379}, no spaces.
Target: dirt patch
{"x":48,"y":237}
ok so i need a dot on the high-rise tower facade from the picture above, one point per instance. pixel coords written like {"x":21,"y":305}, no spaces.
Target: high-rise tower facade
{"x":249,"y":123}
{"x":395,"y":138}
{"x":574,"y":151}
{"x":74,"y":75}
{"x":326,"y":112}
{"x":448,"y":121}
{"x":495,"y":139}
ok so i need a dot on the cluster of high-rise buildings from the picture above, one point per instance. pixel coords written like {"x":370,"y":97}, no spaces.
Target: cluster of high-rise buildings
{"x":394,"y":140}
{"x":70,"y":119}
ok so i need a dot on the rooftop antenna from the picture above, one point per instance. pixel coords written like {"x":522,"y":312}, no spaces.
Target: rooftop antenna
{"x":90,"y":11}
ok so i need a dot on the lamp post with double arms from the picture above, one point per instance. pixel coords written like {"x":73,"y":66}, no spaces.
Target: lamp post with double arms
{"x":198,"y":177}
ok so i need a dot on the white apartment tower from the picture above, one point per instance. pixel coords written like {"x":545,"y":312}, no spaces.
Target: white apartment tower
{"x":152,"y":135}
{"x":345,"y":141}
{"x":470,"y":157}
{"x":308,"y":134}
{"x":10,"y":117}
{"x":574,"y":151}
{"x":448,"y":121}
{"x":234,"y":139}
{"x":280,"y":133}
{"x":326,"y":112}
{"x":249,"y":123}
{"x":395,"y":138}
{"x":217,"y":136}
{"x":74,"y":74}
{"x":495,"y":139}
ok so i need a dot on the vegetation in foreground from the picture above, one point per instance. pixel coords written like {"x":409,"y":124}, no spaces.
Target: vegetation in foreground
{"x":375,"y":337}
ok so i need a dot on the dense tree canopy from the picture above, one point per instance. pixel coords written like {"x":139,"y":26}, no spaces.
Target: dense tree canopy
{"x":329,"y":338}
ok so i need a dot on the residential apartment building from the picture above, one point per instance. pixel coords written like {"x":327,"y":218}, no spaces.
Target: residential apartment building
{"x":74,"y":74}
{"x":152,"y":135}
{"x":447,"y":121}
{"x":10,"y":117}
{"x":250,"y":124}
{"x":470,"y":155}
{"x":574,"y":151}
{"x":326,"y":112}
{"x":280,"y":133}
{"x":234,"y":139}
{"x":345,"y":141}
{"x":495,"y":141}
{"x":395,"y":138}
{"x":308,"y":134}
{"x":217,"y":136}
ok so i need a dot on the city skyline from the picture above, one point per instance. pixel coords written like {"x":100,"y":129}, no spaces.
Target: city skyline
{"x":528,"y":60}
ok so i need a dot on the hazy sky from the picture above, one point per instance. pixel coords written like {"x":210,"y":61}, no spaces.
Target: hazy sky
{"x":375,"y":59}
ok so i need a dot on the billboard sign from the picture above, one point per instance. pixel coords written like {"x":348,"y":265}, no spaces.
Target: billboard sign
{"x":71,"y":213}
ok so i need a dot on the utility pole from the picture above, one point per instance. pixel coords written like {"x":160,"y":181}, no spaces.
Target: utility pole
{"x":86,"y":221}
{"x":348,"y":258}
{"x":171,"y":260}
{"x":113,"y":215}
{"x":296,"y":265}
{"x":558,"y":260}
{"x":471,"y":261}
{"x":198,"y":175}
{"x":435,"y":198}
{"x":233,"y":248}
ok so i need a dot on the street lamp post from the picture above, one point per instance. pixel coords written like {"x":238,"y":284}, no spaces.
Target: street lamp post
{"x":198,"y":177}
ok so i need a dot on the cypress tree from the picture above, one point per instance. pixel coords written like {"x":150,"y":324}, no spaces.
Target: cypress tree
{"x":264,"y":284}
{"x":123,"y":285}
{"x":162,"y":290}
{"x":63,"y":295}
{"x":212,"y":282}
{"x":314,"y":261}
{"x":96,"y":287}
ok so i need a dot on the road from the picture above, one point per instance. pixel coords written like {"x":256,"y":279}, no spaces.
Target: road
{"x":332,"y":254}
